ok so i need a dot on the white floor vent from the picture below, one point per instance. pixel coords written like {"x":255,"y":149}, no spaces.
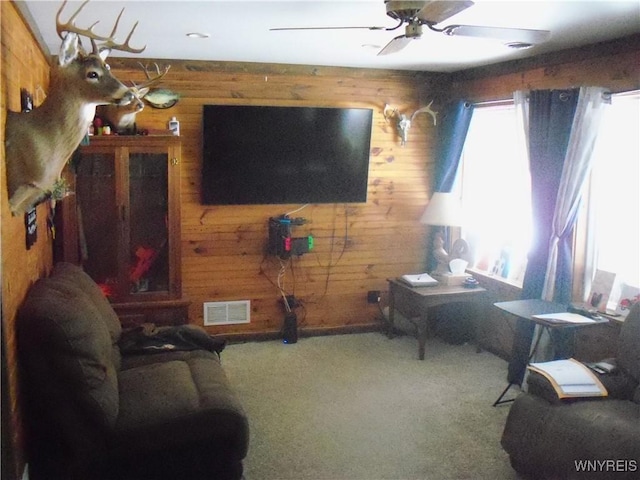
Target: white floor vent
{"x":227,"y":313}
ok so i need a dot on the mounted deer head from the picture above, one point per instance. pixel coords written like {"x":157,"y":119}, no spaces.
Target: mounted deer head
{"x":403,"y":124}
{"x":122,"y":118}
{"x":39,"y":143}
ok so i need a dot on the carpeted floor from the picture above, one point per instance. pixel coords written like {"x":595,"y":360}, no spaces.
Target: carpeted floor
{"x":362,"y":407}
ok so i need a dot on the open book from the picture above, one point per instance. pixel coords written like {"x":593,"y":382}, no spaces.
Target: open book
{"x":419,"y":280}
{"x":570,"y":378}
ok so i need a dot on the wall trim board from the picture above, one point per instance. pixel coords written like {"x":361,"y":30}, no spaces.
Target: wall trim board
{"x":302,"y":333}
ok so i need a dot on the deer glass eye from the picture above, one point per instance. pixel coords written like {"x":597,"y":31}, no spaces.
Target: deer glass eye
{"x":93,"y":75}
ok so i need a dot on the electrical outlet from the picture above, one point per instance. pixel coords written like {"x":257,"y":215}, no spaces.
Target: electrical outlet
{"x":373,"y":296}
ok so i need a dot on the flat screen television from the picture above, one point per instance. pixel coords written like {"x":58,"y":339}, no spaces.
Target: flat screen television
{"x":278,"y":155}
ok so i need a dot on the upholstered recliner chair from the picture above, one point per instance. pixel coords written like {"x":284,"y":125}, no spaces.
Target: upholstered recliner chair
{"x":546,"y":437}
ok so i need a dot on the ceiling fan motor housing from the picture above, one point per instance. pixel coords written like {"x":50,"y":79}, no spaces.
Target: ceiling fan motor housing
{"x":428,"y":12}
{"x":403,"y":10}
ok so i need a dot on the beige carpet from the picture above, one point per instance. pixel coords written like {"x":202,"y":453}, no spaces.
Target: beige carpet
{"x":362,"y":407}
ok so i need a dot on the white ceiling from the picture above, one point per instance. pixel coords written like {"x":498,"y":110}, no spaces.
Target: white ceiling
{"x":239,"y":30}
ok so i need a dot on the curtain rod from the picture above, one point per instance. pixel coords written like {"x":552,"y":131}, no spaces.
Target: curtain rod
{"x":494,"y":103}
{"x":627,"y":93}
{"x":509,"y":101}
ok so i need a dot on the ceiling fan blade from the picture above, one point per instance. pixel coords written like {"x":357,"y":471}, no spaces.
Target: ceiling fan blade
{"x":508,"y":35}
{"x":395,"y":45}
{"x":439,"y":10}
{"x":325,"y":28}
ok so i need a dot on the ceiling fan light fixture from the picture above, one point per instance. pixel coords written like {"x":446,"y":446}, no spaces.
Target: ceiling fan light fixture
{"x":519,"y":45}
{"x":197,"y":35}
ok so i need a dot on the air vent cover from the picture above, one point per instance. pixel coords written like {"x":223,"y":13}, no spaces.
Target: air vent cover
{"x":227,"y":313}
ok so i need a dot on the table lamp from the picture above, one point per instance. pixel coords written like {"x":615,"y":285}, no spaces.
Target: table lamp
{"x":444,"y":210}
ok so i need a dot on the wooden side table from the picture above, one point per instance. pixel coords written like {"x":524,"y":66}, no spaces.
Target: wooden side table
{"x":415,"y":302}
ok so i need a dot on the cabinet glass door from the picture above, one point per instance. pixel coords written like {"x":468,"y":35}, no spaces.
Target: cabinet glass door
{"x":97,"y":215}
{"x":148,"y":240}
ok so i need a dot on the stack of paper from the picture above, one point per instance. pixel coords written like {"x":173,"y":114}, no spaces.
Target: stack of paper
{"x":420,"y":280}
{"x":564,"y":317}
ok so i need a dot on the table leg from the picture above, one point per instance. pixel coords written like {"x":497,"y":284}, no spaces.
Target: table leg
{"x":479,"y":310}
{"x":392,"y":308}
{"x":423,"y":333}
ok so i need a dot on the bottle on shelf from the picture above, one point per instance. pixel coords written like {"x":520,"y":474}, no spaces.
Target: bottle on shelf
{"x":174,"y":126}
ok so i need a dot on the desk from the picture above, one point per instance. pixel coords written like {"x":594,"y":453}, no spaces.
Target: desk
{"x":523,"y":351}
{"x":415,"y":302}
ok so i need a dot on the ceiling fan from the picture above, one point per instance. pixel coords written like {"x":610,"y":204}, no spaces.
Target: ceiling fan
{"x":416,"y":14}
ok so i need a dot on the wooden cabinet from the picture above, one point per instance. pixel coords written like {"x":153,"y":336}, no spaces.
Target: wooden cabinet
{"x":123,"y":224}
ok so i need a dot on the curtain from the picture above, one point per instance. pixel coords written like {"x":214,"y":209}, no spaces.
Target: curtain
{"x":521,"y":103}
{"x":575,"y":172}
{"x":454,"y":125}
{"x":551,"y":115}
{"x":549,"y":120}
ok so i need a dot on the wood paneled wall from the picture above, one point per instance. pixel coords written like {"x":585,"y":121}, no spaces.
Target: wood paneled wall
{"x":614,"y":65}
{"x":22,"y":65}
{"x":357,"y":246}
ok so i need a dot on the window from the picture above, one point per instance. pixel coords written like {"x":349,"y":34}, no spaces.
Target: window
{"x":496,"y":194}
{"x":495,"y":188}
{"x":615,"y":192}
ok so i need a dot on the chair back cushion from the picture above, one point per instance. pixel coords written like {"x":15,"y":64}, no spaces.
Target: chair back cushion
{"x":66,"y":347}
{"x":75,"y":277}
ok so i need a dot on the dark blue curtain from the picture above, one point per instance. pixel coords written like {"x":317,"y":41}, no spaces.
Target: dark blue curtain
{"x":454,"y":124}
{"x":551,"y":115}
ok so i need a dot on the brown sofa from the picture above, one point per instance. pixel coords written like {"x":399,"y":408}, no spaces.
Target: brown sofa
{"x":93,"y":412}
{"x":587,"y":438}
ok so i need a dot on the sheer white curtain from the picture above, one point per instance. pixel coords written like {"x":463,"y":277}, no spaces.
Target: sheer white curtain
{"x":521,"y":102}
{"x":613,"y":211}
{"x":576,"y":169}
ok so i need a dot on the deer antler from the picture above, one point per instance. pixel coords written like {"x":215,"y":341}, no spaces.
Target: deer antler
{"x":110,"y":44}
{"x":151,"y":80}
{"x":389,"y":112}
{"x":123,"y":47}
{"x":70,"y":27}
{"x":428,"y":110}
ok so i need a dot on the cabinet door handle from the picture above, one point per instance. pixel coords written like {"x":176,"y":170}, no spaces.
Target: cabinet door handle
{"x":175,"y":161}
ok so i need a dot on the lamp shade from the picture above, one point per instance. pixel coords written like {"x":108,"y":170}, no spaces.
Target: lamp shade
{"x":443,"y":209}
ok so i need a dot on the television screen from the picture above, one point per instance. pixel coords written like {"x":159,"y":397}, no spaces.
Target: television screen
{"x":277,"y":155}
